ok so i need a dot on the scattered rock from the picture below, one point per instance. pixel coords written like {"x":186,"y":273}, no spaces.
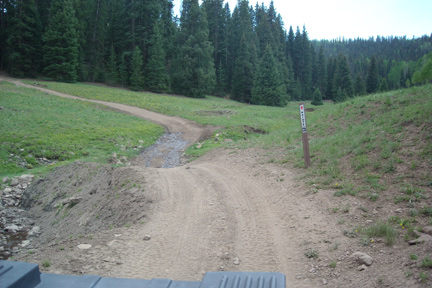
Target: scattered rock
{"x":5,"y":180}
{"x":14,"y":182}
{"x":362,"y":258}
{"x":362,"y":267}
{"x":84,"y":246}
{"x":422,"y":238}
{"x":70,"y":201}
{"x":236,"y":261}
{"x":427,"y":230}
{"x":146,"y":238}
{"x":34,"y":231}
{"x":11,"y":228}
{"x":324,"y":282}
{"x":25,"y":243}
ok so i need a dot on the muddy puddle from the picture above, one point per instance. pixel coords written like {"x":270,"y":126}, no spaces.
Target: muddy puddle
{"x":167,"y":152}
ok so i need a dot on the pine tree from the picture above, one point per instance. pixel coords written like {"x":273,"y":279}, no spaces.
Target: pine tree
{"x":60,"y":48}
{"x":122,"y":72}
{"x":372,"y":81}
{"x":317,"y":98}
{"x":360,"y":86}
{"x":383,"y":85}
{"x":321,"y":71}
{"x":96,"y":34}
{"x":193,"y":71}
{"x":136,"y":79}
{"x":244,"y":53}
{"x":112,"y":77}
{"x":217,"y":18}
{"x":243,"y":76}
{"x":342,"y":77}
{"x":340,"y":95}
{"x":268,"y":88}
{"x":156,"y":75}
{"x":24,"y":40}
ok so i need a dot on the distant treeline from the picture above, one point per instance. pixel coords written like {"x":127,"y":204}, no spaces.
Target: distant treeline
{"x":245,"y":53}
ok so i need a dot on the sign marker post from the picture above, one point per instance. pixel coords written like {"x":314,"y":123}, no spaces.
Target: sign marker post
{"x":304,"y":135}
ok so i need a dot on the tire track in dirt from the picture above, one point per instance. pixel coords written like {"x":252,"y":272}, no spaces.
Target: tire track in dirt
{"x":188,"y":234}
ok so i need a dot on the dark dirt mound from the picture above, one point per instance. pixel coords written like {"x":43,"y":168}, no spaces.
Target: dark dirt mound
{"x":84,"y":198}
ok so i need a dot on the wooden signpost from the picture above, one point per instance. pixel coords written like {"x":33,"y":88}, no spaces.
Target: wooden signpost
{"x":304,"y":135}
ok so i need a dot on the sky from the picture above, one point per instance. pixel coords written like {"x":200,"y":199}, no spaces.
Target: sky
{"x":332,"y":19}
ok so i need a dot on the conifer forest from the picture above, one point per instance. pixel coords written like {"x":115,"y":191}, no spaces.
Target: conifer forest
{"x":245,"y":52}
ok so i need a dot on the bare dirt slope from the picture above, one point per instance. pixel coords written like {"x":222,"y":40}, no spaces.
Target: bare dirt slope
{"x":229,"y":210}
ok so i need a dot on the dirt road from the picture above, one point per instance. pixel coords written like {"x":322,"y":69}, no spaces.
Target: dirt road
{"x":229,"y":210}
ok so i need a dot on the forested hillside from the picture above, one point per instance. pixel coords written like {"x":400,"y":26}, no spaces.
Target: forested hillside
{"x":245,"y":53}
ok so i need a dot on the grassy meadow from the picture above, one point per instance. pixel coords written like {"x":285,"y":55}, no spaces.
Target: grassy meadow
{"x":35,"y":125}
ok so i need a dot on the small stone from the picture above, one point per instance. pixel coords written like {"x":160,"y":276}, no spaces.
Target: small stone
{"x":84,"y":246}
{"x":427,"y":230}
{"x":14,"y":182}
{"x":398,"y":210}
{"x":362,"y":267}
{"x":25,"y":243}
{"x":5,"y":180}
{"x":362,"y":258}
{"x":324,"y":282}
{"x":236,"y":261}
{"x":422,"y":238}
{"x":35,"y":230}
{"x":146,"y":238}
{"x":11,"y":228}
{"x":369,"y":221}
{"x":7,"y":190}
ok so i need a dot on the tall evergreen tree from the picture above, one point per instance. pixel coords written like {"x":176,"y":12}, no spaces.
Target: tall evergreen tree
{"x":157,"y":77}
{"x":342,"y":77}
{"x":136,"y":79}
{"x":321,"y":71}
{"x":94,"y":46}
{"x":218,"y":17}
{"x":372,"y":81}
{"x":194,"y":73}
{"x":268,"y":88}
{"x":123,"y":72}
{"x":244,"y":52}
{"x":306,"y":75}
{"x":243,"y":76}
{"x":60,"y":48}
{"x":359,"y":86}
{"x":331,"y":69}
{"x":112,"y":73}
{"x":24,"y":39}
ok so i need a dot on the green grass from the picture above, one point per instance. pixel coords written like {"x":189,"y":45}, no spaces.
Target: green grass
{"x":36,"y":125}
{"x":381,"y":230}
